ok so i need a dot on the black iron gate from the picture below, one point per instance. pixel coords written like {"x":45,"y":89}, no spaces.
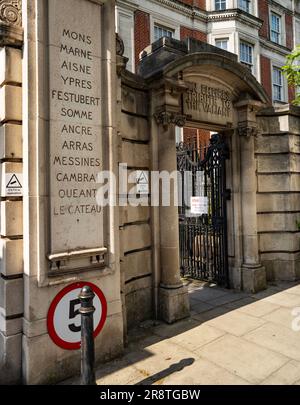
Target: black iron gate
{"x":203,"y":220}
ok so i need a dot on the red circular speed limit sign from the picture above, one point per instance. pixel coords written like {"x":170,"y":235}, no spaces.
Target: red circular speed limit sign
{"x":64,"y":319}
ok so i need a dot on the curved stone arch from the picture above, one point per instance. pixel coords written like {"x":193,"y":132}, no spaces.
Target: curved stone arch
{"x":244,"y":79}
{"x":207,"y":89}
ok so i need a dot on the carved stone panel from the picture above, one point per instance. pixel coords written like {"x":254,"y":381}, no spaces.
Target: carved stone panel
{"x":10,"y":12}
{"x":209,"y":103}
{"x":75,"y":124}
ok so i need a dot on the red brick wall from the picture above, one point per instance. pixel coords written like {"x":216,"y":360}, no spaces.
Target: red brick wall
{"x":289,"y":31}
{"x":263,"y":13}
{"x":197,"y":3}
{"x":292,"y":93}
{"x":266,"y":81}
{"x":141,"y":33}
{"x":189,"y":135}
{"x":199,"y":136}
{"x":189,"y":2}
{"x":187,"y":32}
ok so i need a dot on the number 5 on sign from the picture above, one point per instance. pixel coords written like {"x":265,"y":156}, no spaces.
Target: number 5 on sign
{"x":64,"y":319}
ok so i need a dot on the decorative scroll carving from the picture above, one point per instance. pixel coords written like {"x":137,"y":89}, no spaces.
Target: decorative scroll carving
{"x":247,"y":131}
{"x":10,"y":12}
{"x":119,"y":45}
{"x":166,"y":118}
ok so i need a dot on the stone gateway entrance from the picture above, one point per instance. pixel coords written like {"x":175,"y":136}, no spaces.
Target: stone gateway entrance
{"x":72,"y":120}
{"x":203,"y":212}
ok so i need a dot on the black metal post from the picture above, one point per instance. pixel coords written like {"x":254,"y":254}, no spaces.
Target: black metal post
{"x":87,"y":310}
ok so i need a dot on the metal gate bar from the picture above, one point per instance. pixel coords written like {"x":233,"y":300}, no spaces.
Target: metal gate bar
{"x":203,"y":238}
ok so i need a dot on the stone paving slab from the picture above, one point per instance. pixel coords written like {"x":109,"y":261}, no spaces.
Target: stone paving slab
{"x":208,"y":294}
{"x":236,"y":323}
{"x":284,"y":299}
{"x":197,"y":337}
{"x":277,"y":338}
{"x":258,"y":308}
{"x":197,"y":307}
{"x":281,"y":316}
{"x":244,"y":359}
{"x":286,"y":375}
{"x":203,"y":372}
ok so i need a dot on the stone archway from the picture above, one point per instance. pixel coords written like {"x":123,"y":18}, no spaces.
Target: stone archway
{"x":196,"y":84}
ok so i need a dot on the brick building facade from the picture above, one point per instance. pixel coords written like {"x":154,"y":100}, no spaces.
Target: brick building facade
{"x":262,"y":33}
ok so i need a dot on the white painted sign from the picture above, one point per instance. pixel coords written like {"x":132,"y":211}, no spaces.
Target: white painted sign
{"x":142,"y":182}
{"x":64,"y":319}
{"x":199,"y":205}
{"x":13,"y":184}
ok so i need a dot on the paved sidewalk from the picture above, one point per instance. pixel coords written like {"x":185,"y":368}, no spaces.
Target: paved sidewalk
{"x":231,"y":338}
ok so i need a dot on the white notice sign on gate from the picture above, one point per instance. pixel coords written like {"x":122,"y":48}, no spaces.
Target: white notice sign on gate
{"x":199,"y":205}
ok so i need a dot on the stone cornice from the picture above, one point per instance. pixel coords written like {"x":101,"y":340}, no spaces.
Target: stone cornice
{"x":235,"y":14}
{"x":11,"y":32}
{"x":282,"y":50}
{"x":281,"y":7}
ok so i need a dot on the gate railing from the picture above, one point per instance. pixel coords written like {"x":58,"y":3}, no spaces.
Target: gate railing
{"x":203,"y":238}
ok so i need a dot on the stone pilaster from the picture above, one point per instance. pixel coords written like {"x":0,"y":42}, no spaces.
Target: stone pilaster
{"x":11,"y":227}
{"x":173,"y":297}
{"x":253,"y":273}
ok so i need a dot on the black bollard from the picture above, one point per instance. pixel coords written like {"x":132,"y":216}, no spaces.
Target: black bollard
{"x":87,"y":340}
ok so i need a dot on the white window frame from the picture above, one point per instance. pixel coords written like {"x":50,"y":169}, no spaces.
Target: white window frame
{"x":250,"y":5}
{"x":223,"y":39}
{"x":282,"y":36}
{"x":167,"y":24}
{"x":282,"y":85}
{"x":279,"y":32}
{"x":252,"y":46}
{"x":220,"y":4}
{"x":165,"y":29}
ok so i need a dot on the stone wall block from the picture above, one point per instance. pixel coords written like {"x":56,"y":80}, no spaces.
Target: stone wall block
{"x":10,"y":65}
{"x":11,"y":257}
{"x":279,"y":241}
{"x":11,"y":218}
{"x":130,"y":214}
{"x":136,"y":237}
{"x":10,"y":327}
{"x":11,"y":141}
{"x":137,"y":264}
{"x":277,"y":222}
{"x":10,"y":359}
{"x":10,"y":103}
{"x":278,"y":182}
{"x":135,"y":128}
{"x":278,"y":202}
{"x":11,"y":297}
{"x":135,"y":155}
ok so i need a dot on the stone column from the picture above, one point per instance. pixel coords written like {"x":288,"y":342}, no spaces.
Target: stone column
{"x":11,"y":258}
{"x":253,"y":273}
{"x":173,"y":296}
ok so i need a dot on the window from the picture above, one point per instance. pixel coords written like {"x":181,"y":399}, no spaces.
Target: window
{"x":220,"y":4}
{"x":275,"y":28}
{"x":246,"y":54}
{"x":160,"y":31}
{"x":277,"y":84}
{"x":222,"y":43}
{"x":245,"y":5}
